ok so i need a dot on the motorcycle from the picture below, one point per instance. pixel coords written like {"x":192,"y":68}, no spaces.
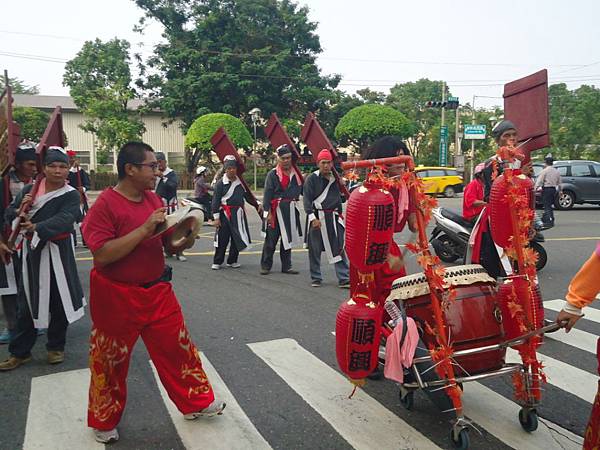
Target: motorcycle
{"x":450,"y":237}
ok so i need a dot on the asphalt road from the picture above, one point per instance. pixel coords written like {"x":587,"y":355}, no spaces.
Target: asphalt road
{"x":270,"y":340}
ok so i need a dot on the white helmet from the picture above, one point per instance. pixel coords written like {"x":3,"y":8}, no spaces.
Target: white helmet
{"x":200,"y":170}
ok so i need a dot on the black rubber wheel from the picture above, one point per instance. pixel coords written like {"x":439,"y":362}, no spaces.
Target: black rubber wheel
{"x":542,"y":255}
{"x":528,"y":419}
{"x":408,"y":401}
{"x":449,"y":192}
{"x":565,"y":200}
{"x":461,"y":441}
{"x":443,"y":248}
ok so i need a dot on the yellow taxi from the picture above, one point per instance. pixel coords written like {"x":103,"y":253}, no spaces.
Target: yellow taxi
{"x":445,"y":181}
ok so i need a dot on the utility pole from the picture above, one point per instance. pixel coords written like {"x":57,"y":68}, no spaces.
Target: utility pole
{"x":472,"y":140}
{"x":456,"y":131}
{"x":443,"y":101}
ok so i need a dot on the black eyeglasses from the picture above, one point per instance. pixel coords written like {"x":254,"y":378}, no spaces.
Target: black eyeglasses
{"x":152,"y":166}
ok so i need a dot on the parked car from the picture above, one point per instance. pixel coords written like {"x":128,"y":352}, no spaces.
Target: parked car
{"x":580,"y":182}
{"x":440,"y":180}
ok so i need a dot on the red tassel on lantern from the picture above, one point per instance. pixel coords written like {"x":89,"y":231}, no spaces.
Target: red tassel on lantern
{"x":500,"y":206}
{"x":514,"y":316}
{"x":370,"y":219}
{"x":357,"y":335}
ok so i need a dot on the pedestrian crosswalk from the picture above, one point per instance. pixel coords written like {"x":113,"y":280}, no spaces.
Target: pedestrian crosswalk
{"x":360,"y":421}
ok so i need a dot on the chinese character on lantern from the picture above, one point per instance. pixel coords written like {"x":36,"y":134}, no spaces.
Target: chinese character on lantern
{"x":377,"y":253}
{"x":363,"y":331}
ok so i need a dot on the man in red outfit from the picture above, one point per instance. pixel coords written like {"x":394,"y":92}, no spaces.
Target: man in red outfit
{"x":473,"y":202}
{"x":130,"y":296}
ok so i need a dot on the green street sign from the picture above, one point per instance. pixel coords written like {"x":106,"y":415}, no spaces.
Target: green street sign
{"x":474,"y":131}
{"x":444,"y":146}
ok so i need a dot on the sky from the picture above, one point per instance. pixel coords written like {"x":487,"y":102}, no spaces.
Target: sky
{"x":476,"y":46}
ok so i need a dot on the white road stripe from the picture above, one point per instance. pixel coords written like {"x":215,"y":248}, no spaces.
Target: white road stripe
{"x":576,"y":338}
{"x":564,"y":376}
{"x":500,"y":417}
{"x":592,"y":314}
{"x":232,"y":430}
{"x":361,"y":421}
{"x":57,"y":416}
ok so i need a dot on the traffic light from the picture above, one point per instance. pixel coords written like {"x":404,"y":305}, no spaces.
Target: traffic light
{"x":452,"y":103}
{"x":432,"y":104}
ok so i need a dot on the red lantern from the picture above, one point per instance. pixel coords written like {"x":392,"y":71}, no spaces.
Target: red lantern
{"x":357,"y":335}
{"x":370,"y":218}
{"x":500,"y":206}
{"x":513,"y":307}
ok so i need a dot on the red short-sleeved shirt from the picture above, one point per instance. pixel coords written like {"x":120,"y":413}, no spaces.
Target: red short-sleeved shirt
{"x":113,"y":216}
{"x":473,"y":192}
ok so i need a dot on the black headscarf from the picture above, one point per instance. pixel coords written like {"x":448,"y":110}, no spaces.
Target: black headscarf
{"x":55,"y":154}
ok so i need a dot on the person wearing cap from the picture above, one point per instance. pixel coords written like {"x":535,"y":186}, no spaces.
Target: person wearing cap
{"x":166,"y":188}
{"x":131,"y":296}
{"x":548,"y":181}
{"x":50,"y":294}
{"x":283,"y":187}
{"x":583,"y":290}
{"x":201,"y":188}
{"x":482,"y":249}
{"x":80,"y":180}
{"x":229,"y":216}
{"x":324,"y":222}
{"x":13,"y":183}
{"x":473,"y":202}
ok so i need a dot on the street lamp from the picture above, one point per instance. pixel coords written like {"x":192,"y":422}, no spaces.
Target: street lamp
{"x":255,"y":116}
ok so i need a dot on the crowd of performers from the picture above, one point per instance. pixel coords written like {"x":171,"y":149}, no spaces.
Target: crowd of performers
{"x":130,"y":290}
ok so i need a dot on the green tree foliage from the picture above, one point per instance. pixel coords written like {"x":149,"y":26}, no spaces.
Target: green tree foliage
{"x":575,"y":122}
{"x":33,"y":122}
{"x":19,"y":86}
{"x":99,"y":80}
{"x":329,"y":113}
{"x":364,"y":124}
{"x":231,"y":56}
{"x":197,"y":139}
{"x":410,"y":99}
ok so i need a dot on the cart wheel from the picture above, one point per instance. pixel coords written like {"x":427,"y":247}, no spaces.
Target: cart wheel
{"x":408,"y":401}
{"x":528,"y":419}
{"x":460,"y":439}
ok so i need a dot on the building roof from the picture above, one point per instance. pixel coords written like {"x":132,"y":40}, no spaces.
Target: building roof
{"x":52,"y":101}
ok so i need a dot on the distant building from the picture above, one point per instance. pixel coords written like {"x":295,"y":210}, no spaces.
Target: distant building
{"x":160,"y":134}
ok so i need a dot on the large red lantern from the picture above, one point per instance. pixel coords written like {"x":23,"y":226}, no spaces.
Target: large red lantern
{"x":501,"y":204}
{"x":357,"y":335}
{"x":511,"y":297}
{"x":370,"y":218}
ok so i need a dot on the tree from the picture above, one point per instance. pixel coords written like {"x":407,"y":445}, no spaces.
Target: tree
{"x":410,"y":99}
{"x":364,"y":124}
{"x":575,"y":122}
{"x":99,"y":80}
{"x":232,"y":56}
{"x":19,"y":86}
{"x":204,"y":127}
{"x":33,"y":122}
{"x":370,"y":96}
{"x":329,"y":113}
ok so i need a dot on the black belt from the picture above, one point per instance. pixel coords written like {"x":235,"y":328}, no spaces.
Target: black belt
{"x":166,"y":276}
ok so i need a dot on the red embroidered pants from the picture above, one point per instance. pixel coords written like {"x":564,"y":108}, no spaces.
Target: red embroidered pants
{"x":120,"y":314}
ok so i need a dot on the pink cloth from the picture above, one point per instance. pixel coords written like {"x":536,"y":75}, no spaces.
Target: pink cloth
{"x":396,"y":358}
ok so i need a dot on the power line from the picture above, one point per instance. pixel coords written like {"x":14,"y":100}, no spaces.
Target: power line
{"x":334,"y":58}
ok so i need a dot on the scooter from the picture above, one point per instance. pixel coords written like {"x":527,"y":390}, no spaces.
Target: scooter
{"x":450,"y":237}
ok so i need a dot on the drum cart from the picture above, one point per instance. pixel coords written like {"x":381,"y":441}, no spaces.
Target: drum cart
{"x":457,"y":359}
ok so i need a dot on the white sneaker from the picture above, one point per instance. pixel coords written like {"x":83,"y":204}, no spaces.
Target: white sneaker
{"x":181,"y":258}
{"x":106,"y":437}
{"x":215,"y":267}
{"x":235,"y":265}
{"x":214,"y":409}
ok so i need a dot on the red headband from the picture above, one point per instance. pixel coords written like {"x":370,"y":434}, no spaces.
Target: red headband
{"x":71,"y":153}
{"x":324,"y":154}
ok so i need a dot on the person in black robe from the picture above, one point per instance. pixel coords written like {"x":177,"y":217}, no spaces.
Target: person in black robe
{"x":50,"y":293}
{"x":283,"y":188}
{"x":324,"y":222}
{"x":80,"y":180}
{"x":10,"y":186}
{"x":229,"y":216}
